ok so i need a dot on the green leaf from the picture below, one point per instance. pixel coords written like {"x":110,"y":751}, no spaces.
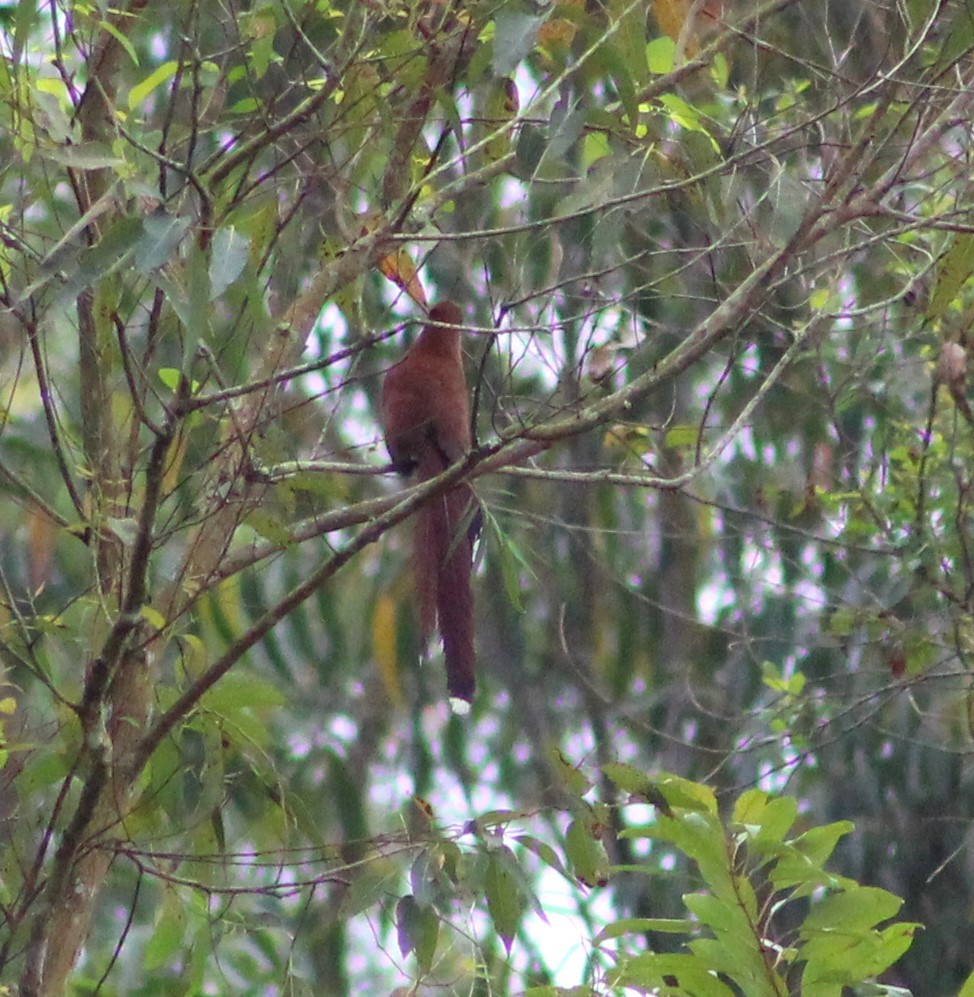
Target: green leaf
{"x":505,"y":902}
{"x":702,"y":838}
{"x":374,"y":883}
{"x":242,"y":700}
{"x":894,"y":942}
{"x":586,"y":853}
{"x":417,"y":929}
{"x":153,"y":617}
{"x":595,"y":146}
{"x":566,"y":127}
{"x":957,"y":35}
{"x":544,"y":851}
{"x":616,"y":66}
{"x":514,"y":35}
{"x":954,"y":269}
{"x":659,"y":55}
{"x":571,"y":776}
{"x":686,"y":116}
{"x":769,"y":818}
{"x":843,"y":621}
{"x":84,"y":156}
{"x":24,"y":21}
{"x":188,"y":293}
{"x":681,"y":793}
{"x":818,"y":843}
{"x":269,"y":526}
{"x":107,"y":256}
{"x":346,"y":792}
{"x":727,"y":918}
{"x":230,"y":251}
{"x":121,"y":39}
{"x":500,"y":109}
{"x":640,"y":925}
{"x":199,"y":288}
{"x":742,"y":961}
{"x":406,"y":913}
{"x":681,"y":437}
{"x":720,"y":70}
{"x":848,"y":958}
{"x":552,"y":991}
{"x":628,"y":778}
{"x":162,"y":234}
{"x":497,"y":818}
{"x":531,"y":148}
{"x":239,"y":690}
{"x":246,"y":106}
{"x":160,"y":75}
{"x":170,"y":377}
{"x":168,"y":931}
{"x":750,"y":807}
{"x":212,"y":771}
{"x":678,"y":973}
{"x":630,"y":37}
{"x":43,"y":769}
{"x":511,"y":558}
{"x":852,"y":910}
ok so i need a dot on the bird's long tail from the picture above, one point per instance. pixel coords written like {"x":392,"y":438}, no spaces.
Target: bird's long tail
{"x":445,"y":533}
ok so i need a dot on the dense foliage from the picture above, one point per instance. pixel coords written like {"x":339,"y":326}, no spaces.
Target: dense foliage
{"x":716,"y":262}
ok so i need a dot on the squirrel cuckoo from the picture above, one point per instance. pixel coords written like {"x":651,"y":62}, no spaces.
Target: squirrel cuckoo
{"x":425,"y":415}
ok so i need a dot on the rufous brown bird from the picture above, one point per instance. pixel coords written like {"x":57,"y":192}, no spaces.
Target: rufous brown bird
{"x":425,"y":415}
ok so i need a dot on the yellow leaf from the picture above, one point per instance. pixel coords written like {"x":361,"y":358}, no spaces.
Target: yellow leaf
{"x":153,"y":617}
{"x":400,"y":269}
{"x":680,"y":437}
{"x":628,"y":437}
{"x":671,"y":16}
{"x":397,"y":266}
{"x":556,"y":31}
{"x":174,"y":462}
{"x":384,"y":646}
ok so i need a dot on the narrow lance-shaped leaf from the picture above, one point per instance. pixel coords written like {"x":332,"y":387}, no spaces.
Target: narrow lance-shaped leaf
{"x":417,"y":929}
{"x":505,"y":902}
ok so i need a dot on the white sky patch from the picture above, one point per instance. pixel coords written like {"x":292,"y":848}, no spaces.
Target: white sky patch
{"x":563,"y":937}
